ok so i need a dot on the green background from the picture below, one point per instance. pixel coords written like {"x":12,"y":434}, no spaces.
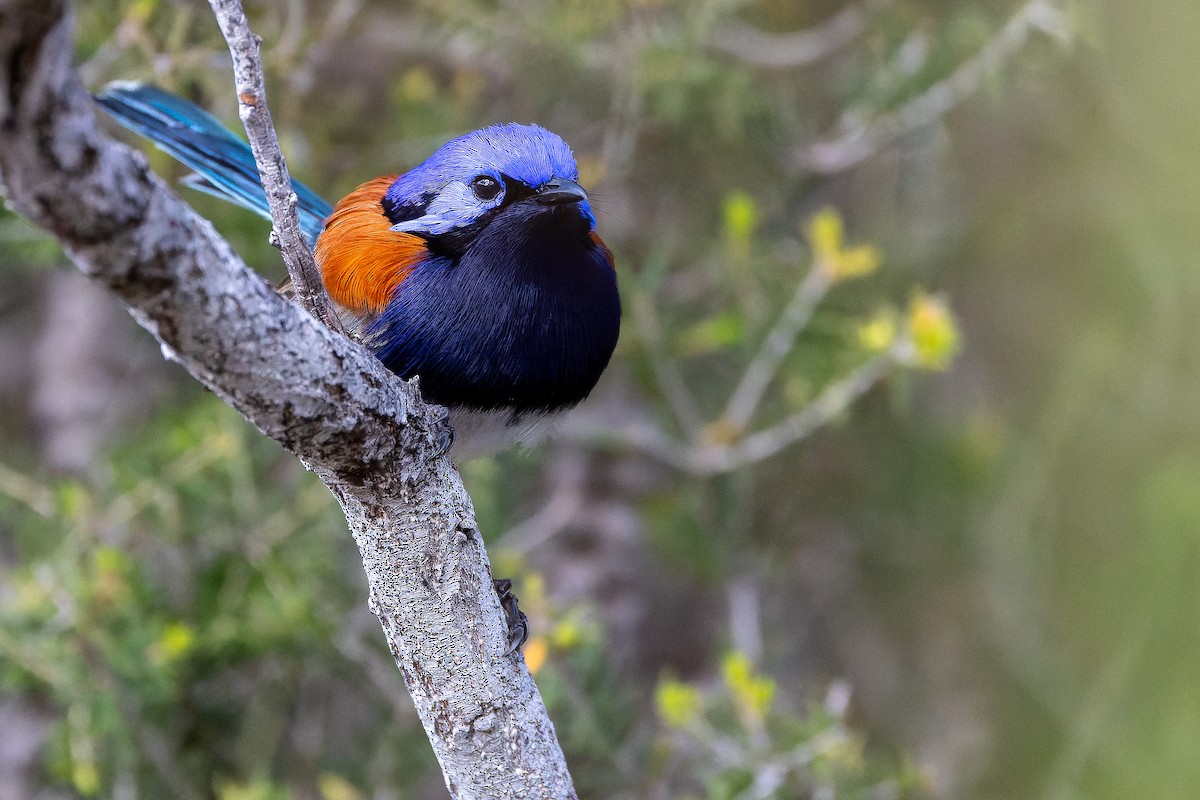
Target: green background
{"x":998,"y":562}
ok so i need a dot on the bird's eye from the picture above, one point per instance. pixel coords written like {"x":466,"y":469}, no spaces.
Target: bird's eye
{"x":486,"y":187}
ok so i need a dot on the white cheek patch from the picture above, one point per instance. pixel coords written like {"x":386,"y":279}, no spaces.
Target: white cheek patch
{"x":455,"y":206}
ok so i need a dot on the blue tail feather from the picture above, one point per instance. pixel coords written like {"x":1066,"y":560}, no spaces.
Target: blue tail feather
{"x":223,"y":163}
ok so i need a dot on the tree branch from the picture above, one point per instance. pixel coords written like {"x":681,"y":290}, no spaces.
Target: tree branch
{"x":364,"y":432}
{"x":701,"y":457}
{"x":791,"y":50}
{"x":833,"y":400}
{"x":272,"y":168}
{"x":863,"y":140}
{"x":779,"y":342}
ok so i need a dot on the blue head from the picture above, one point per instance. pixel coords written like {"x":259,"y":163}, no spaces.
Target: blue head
{"x":473,"y":179}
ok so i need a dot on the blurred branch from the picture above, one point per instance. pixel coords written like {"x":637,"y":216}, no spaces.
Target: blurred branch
{"x":700,"y":457}
{"x":867,"y":138}
{"x":1093,"y":718}
{"x":791,"y":50}
{"x":272,"y":168}
{"x":351,"y":642}
{"x":827,"y":406}
{"x":37,"y":498}
{"x":779,"y":342}
{"x":300,"y":78}
{"x":666,"y":371}
{"x":567,"y":499}
{"x":365,"y":433}
{"x":153,"y":747}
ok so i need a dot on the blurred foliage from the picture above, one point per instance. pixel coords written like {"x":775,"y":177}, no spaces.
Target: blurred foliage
{"x":175,"y":610}
{"x":990,"y":567}
{"x":732,"y":739}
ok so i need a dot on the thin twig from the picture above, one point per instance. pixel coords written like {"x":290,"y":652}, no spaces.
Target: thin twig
{"x":791,"y":50}
{"x":272,"y":169}
{"x":779,"y":342}
{"x":864,"y":140}
{"x":835,"y":399}
{"x":301,"y":77}
{"x":20,"y":487}
{"x":643,"y":436}
{"x":705,"y":459}
{"x":666,"y":371}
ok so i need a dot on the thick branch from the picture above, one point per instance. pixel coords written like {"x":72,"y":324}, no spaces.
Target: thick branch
{"x":365,"y":433}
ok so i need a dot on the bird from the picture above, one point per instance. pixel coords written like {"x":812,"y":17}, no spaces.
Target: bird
{"x":479,"y":271}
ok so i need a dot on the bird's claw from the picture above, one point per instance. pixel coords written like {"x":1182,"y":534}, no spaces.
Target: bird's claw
{"x":518,"y":623}
{"x":445,"y":436}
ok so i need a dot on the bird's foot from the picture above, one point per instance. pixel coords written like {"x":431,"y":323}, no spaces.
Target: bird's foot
{"x":518,"y":623}
{"x":445,"y":435}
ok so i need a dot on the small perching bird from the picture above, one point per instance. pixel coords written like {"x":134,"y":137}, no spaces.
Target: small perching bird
{"x":479,"y":270}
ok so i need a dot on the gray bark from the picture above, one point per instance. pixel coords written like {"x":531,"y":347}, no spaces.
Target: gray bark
{"x":364,"y":432}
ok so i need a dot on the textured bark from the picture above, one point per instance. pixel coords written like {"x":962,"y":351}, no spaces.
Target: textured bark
{"x":364,"y":432}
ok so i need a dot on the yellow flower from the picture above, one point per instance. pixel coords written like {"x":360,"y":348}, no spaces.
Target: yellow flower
{"x":417,"y":86}
{"x":721,"y":432}
{"x":86,"y":778}
{"x":739,"y":220}
{"x":567,"y":633}
{"x":827,"y":237}
{"x":740,"y":216}
{"x":678,"y":703}
{"x":845,"y":751}
{"x":175,"y":642}
{"x":879,"y":333}
{"x":932,"y":331}
{"x":536,"y":651}
{"x":110,"y":587}
{"x":592,"y":170}
{"x":752,"y":693}
{"x":335,"y":787}
{"x":533,"y":589}
{"x":257,"y":789}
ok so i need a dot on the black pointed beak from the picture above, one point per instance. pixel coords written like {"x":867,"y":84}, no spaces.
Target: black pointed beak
{"x":560,"y":190}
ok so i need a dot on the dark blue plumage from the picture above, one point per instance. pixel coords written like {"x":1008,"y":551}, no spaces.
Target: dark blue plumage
{"x":479,"y":270}
{"x":550,"y":306}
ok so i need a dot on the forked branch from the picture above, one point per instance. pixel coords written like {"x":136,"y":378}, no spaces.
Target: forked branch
{"x":364,"y":432}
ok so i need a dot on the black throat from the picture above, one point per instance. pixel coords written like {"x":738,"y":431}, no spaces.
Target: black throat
{"x":521,"y":313}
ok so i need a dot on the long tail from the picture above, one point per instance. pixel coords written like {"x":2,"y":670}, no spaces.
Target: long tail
{"x":223,"y":163}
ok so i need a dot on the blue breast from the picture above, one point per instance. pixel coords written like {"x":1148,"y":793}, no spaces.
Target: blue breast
{"x":525,"y":318}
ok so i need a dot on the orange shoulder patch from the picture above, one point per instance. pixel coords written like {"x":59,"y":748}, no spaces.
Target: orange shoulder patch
{"x":362,"y":260}
{"x":596,"y":240}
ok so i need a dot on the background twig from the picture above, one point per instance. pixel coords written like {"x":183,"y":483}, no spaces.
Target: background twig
{"x":791,"y":50}
{"x":779,"y":342}
{"x":864,"y":140}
